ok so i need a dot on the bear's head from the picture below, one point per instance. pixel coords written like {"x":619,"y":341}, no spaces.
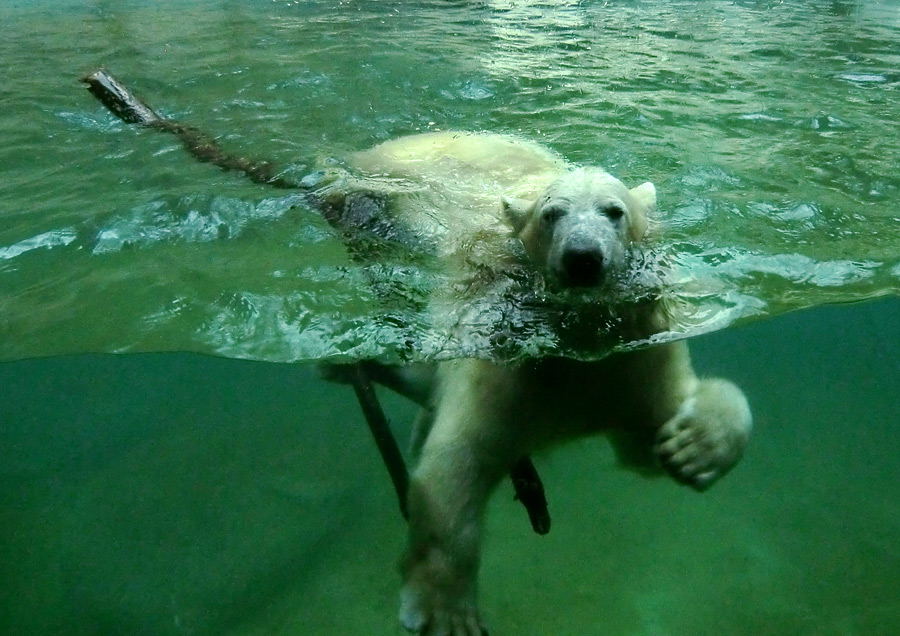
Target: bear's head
{"x":580,"y":228}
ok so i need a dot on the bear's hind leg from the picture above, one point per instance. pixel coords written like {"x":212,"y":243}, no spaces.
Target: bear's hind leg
{"x":707,"y":435}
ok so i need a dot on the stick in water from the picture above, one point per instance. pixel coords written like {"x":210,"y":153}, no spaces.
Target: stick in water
{"x":130,"y":109}
{"x":381,"y":431}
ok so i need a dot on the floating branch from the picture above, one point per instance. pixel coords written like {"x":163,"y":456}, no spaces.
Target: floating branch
{"x":130,"y":109}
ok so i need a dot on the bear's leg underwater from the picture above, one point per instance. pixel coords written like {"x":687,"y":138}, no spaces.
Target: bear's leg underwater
{"x":467,"y":449}
{"x":485,"y":416}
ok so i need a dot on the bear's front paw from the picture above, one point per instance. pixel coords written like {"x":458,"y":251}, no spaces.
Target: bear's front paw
{"x":697,"y":447}
{"x":428,"y":612}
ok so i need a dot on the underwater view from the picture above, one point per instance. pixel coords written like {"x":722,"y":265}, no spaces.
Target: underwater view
{"x":213,"y":482}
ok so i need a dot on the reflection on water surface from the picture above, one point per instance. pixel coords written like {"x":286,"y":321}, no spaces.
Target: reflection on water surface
{"x":768,"y":130}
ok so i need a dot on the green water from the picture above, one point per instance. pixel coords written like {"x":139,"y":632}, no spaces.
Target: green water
{"x":768,"y":129}
{"x":174,"y":494}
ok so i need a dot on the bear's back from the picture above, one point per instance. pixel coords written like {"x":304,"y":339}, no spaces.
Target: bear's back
{"x":504,"y":161}
{"x":447,"y":186}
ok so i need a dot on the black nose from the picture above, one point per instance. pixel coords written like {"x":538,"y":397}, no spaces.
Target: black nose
{"x":582,"y":266}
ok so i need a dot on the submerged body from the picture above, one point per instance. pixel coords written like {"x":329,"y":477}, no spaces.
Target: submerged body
{"x":575,"y":226}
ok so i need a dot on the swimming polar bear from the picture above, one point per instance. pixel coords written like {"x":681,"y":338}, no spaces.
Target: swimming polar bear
{"x":479,"y":418}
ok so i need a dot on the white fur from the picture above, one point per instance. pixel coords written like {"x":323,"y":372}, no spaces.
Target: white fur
{"x":481,"y":417}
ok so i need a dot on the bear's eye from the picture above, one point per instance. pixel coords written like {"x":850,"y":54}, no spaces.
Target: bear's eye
{"x":553,"y":214}
{"x":614,"y":212}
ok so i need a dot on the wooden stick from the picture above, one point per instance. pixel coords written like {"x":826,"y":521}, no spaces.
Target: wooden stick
{"x":530,"y":491}
{"x":381,"y":431}
{"x":130,"y":109}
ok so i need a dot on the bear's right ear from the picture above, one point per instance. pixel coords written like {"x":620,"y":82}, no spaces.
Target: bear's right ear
{"x":516,"y":211}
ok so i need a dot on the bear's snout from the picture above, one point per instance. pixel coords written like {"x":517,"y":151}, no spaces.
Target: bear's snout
{"x":582,"y":266}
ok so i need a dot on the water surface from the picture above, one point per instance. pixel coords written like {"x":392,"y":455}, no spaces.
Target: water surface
{"x":769,"y":130}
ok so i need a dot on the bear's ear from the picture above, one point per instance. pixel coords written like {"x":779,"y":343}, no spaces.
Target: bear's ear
{"x":644,"y":198}
{"x":516,"y":211}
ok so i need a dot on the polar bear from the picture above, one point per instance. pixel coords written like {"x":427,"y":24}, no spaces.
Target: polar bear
{"x":479,"y":418}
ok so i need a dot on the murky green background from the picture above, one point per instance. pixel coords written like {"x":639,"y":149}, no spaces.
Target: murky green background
{"x":180,"y":494}
{"x":177,"y":494}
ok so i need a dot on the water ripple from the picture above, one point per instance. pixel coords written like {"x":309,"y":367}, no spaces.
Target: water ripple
{"x":768,"y":128}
